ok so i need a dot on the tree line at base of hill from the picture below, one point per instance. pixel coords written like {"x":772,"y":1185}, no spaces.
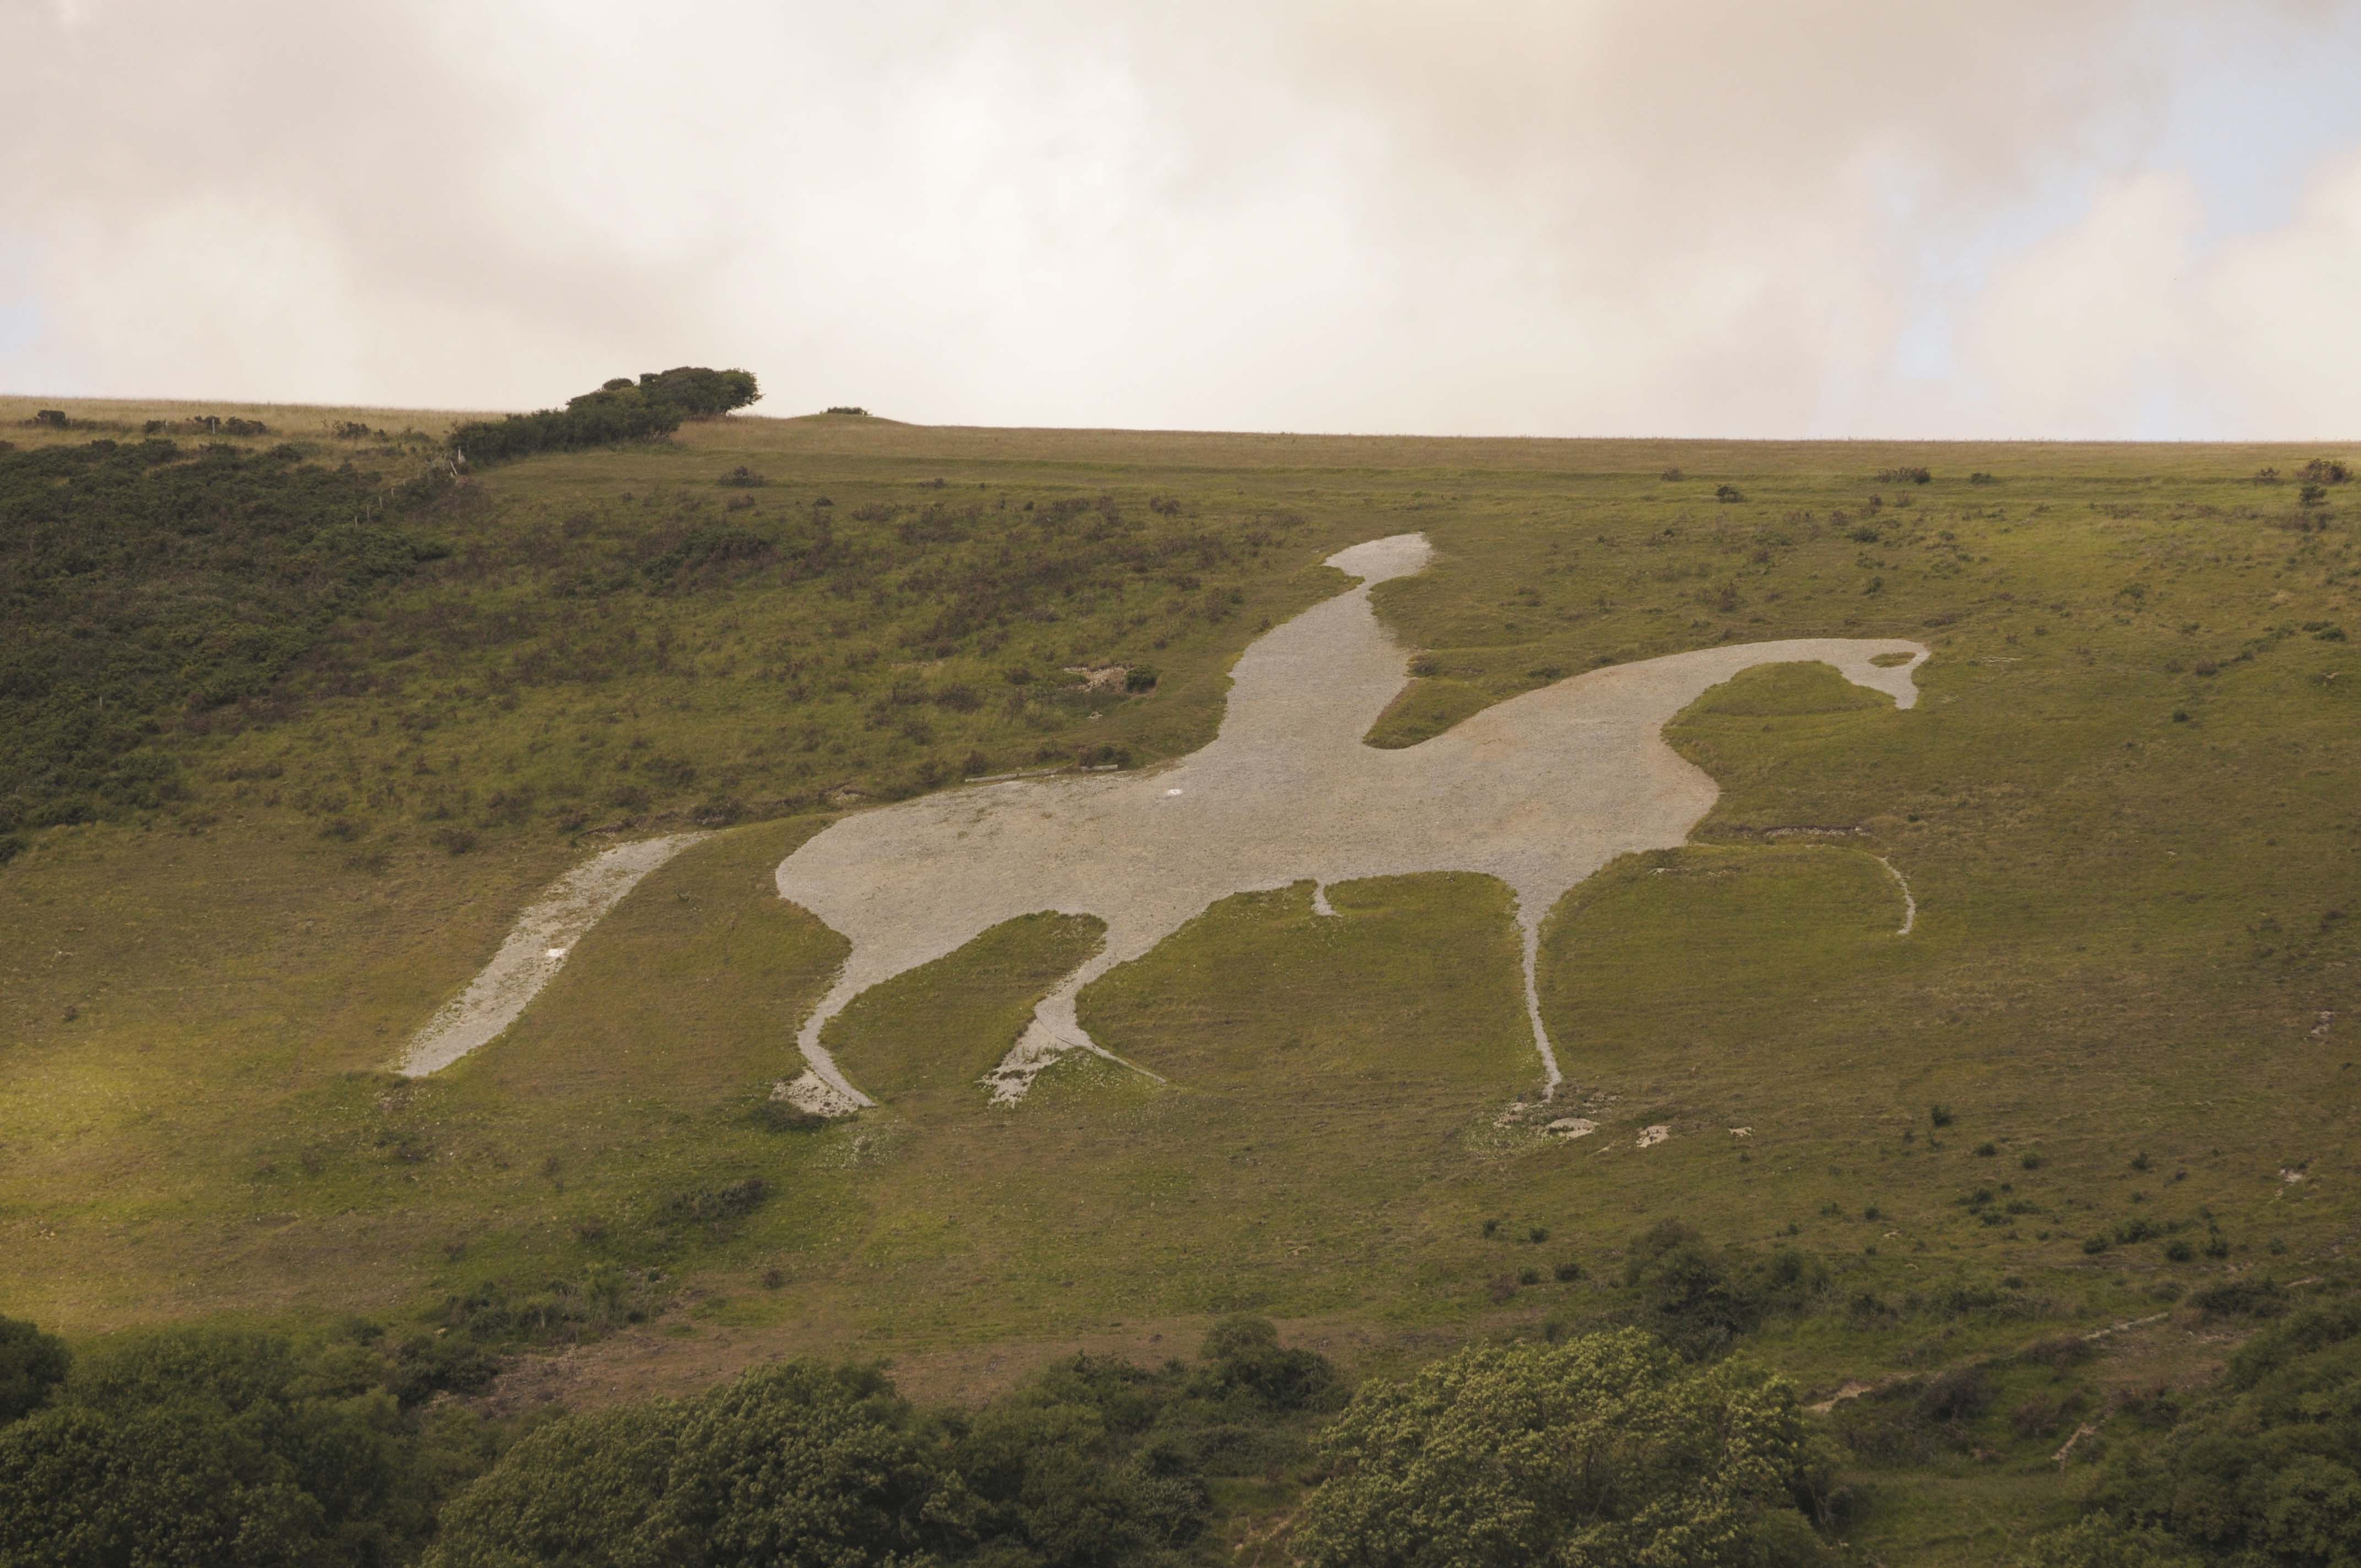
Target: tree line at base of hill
{"x":198,"y":1446}
{"x":203,"y":1445}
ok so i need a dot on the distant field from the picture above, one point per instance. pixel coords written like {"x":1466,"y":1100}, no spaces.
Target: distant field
{"x":2125,"y":805}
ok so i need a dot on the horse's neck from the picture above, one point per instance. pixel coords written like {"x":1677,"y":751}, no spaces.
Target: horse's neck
{"x":1311,"y":688}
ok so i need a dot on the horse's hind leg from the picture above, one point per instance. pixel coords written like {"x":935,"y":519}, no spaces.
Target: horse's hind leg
{"x":1053,"y":1030}
{"x":823,"y":1088}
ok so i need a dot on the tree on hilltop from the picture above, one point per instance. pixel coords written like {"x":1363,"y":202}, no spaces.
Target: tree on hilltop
{"x":618,"y":412}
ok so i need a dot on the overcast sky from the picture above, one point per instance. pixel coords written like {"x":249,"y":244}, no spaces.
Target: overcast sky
{"x":1849,"y":217}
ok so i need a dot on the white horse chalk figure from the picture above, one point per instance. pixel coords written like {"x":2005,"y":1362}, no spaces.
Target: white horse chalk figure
{"x":1539,"y":791}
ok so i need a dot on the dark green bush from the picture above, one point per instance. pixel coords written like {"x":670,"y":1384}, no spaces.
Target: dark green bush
{"x":1700,"y":1300}
{"x":780,"y":1116}
{"x":1242,"y":1356}
{"x":31,"y":1363}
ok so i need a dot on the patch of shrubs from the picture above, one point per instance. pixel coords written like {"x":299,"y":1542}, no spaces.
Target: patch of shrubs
{"x":1910,"y":476}
{"x":2241,"y":1298}
{"x":499,"y":1314}
{"x":2261,"y":1471}
{"x":150,"y":586}
{"x":1914,"y":1421}
{"x":212,"y":424}
{"x":713,"y":554}
{"x":1701,"y":1299}
{"x":716,"y":1205}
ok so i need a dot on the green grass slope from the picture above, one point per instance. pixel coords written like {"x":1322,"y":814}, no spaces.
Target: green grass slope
{"x":2108,"y":1071}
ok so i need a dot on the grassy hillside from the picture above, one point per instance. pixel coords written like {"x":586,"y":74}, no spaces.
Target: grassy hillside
{"x":2108,"y":1071}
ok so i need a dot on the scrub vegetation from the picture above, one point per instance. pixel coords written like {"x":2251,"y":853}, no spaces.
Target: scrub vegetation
{"x":2101,"y":1089}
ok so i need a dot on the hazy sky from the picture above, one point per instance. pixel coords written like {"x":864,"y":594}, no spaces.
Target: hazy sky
{"x":1849,"y":217}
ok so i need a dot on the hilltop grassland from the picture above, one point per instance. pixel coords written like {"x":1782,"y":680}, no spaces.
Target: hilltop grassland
{"x":2106,"y":1075}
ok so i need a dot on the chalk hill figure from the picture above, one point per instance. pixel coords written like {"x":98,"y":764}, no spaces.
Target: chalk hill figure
{"x":1539,"y":791}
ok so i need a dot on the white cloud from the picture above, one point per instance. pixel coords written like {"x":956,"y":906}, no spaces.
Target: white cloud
{"x":2123,"y":324}
{"x":2074,"y":336}
{"x":2285,"y":327}
{"x":1596,"y":216}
